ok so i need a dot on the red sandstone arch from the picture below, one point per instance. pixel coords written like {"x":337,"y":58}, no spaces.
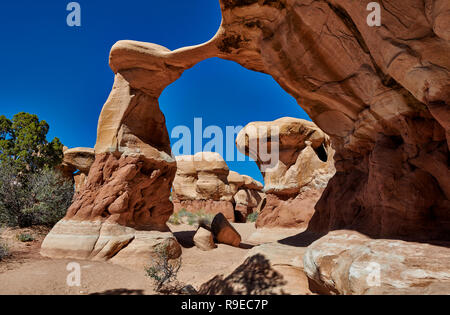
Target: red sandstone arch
{"x":381,"y":93}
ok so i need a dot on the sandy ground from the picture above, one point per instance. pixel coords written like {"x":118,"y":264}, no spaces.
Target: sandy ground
{"x":26,"y":272}
{"x":200,"y":266}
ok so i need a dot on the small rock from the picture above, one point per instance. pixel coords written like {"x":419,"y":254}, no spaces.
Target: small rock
{"x":204,"y":240}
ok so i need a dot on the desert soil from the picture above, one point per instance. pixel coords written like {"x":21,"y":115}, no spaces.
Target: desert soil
{"x":27,"y":272}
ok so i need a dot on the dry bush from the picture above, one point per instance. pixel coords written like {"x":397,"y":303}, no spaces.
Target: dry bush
{"x":40,"y":198}
{"x":4,"y":252}
{"x":163,"y":271}
{"x":252,"y":217}
{"x":191,"y":218}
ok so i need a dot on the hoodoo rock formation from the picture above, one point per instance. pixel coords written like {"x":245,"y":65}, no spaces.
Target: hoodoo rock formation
{"x":297,"y":179}
{"x":204,"y":183}
{"x":382,"y":94}
{"x":77,"y":160}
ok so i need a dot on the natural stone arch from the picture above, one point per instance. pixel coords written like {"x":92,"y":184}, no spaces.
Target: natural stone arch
{"x":382,"y":95}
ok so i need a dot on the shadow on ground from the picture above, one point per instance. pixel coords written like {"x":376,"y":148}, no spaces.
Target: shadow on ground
{"x":185,"y":238}
{"x":254,"y":277}
{"x":120,"y":292}
{"x":303,"y":239}
{"x":246,"y":246}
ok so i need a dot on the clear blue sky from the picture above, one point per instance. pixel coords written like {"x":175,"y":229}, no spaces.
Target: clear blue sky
{"x":62,"y":74}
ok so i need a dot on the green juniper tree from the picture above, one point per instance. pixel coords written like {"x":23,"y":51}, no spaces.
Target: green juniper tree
{"x":32,"y":191}
{"x":23,"y":142}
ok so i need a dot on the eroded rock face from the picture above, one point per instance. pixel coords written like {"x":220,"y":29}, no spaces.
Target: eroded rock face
{"x":125,"y":204}
{"x":346,"y":262}
{"x":381,"y":93}
{"x":296,"y":176}
{"x":203,"y":182}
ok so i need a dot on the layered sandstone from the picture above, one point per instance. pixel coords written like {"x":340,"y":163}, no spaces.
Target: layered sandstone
{"x":297,"y":172}
{"x":204,"y":183}
{"x":347,"y":262}
{"x":381,"y":93}
{"x":119,"y":210}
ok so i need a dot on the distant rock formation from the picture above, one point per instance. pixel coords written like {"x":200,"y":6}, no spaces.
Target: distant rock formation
{"x":203,"y":182}
{"x":76,"y":165}
{"x":296,"y":181}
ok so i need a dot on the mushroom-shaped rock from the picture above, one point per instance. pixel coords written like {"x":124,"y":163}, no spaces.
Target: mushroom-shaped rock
{"x":301,"y":162}
{"x":77,"y":159}
{"x":224,"y":232}
{"x":80,"y":158}
{"x":299,"y":153}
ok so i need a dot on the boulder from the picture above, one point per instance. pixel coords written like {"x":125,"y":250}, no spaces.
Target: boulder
{"x":95,"y":240}
{"x":347,"y":262}
{"x":224,"y":232}
{"x":204,"y":240}
{"x":296,"y":175}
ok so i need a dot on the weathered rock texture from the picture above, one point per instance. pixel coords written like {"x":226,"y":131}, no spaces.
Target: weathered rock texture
{"x":296,"y":180}
{"x":224,"y":232}
{"x":381,"y":93}
{"x":99,"y":240}
{"x":76,"y":165}
{"x":203,"y":182}
{"x":346,"y":262}
{"x":204,"y":240}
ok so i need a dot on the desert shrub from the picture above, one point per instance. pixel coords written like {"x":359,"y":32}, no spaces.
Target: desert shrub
{"x":13,"y":196}
{"x":25,"y":237}
{"x":252,"y":217}
{"x":204,"y":218}
{"x":164,"y":271}
{"x":40,"y":198}
{"x":52,"y":195}
{"x":4,"y":252}
{"x":191,"y":218}
{"x":175,"y":219}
